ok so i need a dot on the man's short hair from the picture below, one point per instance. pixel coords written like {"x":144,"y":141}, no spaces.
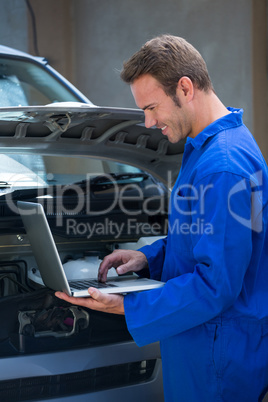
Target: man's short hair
{"x":168,"y":58}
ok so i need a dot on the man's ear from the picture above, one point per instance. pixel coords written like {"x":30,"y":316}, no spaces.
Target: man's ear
{"x":185,"y":88}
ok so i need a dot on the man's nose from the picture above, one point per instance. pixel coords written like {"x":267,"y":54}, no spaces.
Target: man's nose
{"x":150,"y":121}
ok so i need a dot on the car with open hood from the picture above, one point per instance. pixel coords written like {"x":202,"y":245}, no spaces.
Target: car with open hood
{"x":103,"y":179}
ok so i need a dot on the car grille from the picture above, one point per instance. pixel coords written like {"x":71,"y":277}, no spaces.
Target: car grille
{"x":93,"y":380}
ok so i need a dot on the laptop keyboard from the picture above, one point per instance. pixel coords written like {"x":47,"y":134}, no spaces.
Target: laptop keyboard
{"x":79,"y":285}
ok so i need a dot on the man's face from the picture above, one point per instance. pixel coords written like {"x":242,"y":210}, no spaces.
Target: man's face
{"x":160,"y":109}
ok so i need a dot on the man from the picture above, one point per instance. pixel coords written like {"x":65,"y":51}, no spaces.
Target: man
{"x":211,"y":317}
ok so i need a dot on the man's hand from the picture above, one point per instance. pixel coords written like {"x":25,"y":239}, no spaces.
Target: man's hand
{"x":107,"y":303}
{"x":124,"y":261}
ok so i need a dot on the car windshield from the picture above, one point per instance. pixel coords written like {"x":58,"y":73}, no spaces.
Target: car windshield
{"x":24,"y":83}
{"x":22,"y":171}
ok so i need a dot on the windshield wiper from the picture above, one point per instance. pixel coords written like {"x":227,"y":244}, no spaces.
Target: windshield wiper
{"x":109,"y":179}
{"x":4,"y":184}
{"x":118,"y":177}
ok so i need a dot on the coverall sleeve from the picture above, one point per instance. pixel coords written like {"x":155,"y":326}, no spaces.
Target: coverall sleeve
{"x":220,"y":260}
{"x":155,"y":254}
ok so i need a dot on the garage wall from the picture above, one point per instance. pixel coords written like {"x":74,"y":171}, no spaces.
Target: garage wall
{"x":260,"y":74}
{"x":87,"y":41}
{"x":113,"y":30}
{"x":14,"y":24}
{"x":53,"y":35}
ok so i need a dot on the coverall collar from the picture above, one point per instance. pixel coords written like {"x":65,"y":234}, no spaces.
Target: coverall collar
{"x":231,"y":120}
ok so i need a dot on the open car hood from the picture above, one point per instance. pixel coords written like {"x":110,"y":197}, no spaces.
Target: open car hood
{"x":116,"y":134}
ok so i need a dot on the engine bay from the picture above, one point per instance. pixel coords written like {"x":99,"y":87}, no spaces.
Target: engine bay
{"x":35,"y":321}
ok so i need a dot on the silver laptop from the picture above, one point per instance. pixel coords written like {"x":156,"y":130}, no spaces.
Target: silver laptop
{"x":50,"y":266}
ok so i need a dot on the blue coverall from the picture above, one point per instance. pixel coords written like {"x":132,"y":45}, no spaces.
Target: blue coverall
{"x":211,"y":317}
